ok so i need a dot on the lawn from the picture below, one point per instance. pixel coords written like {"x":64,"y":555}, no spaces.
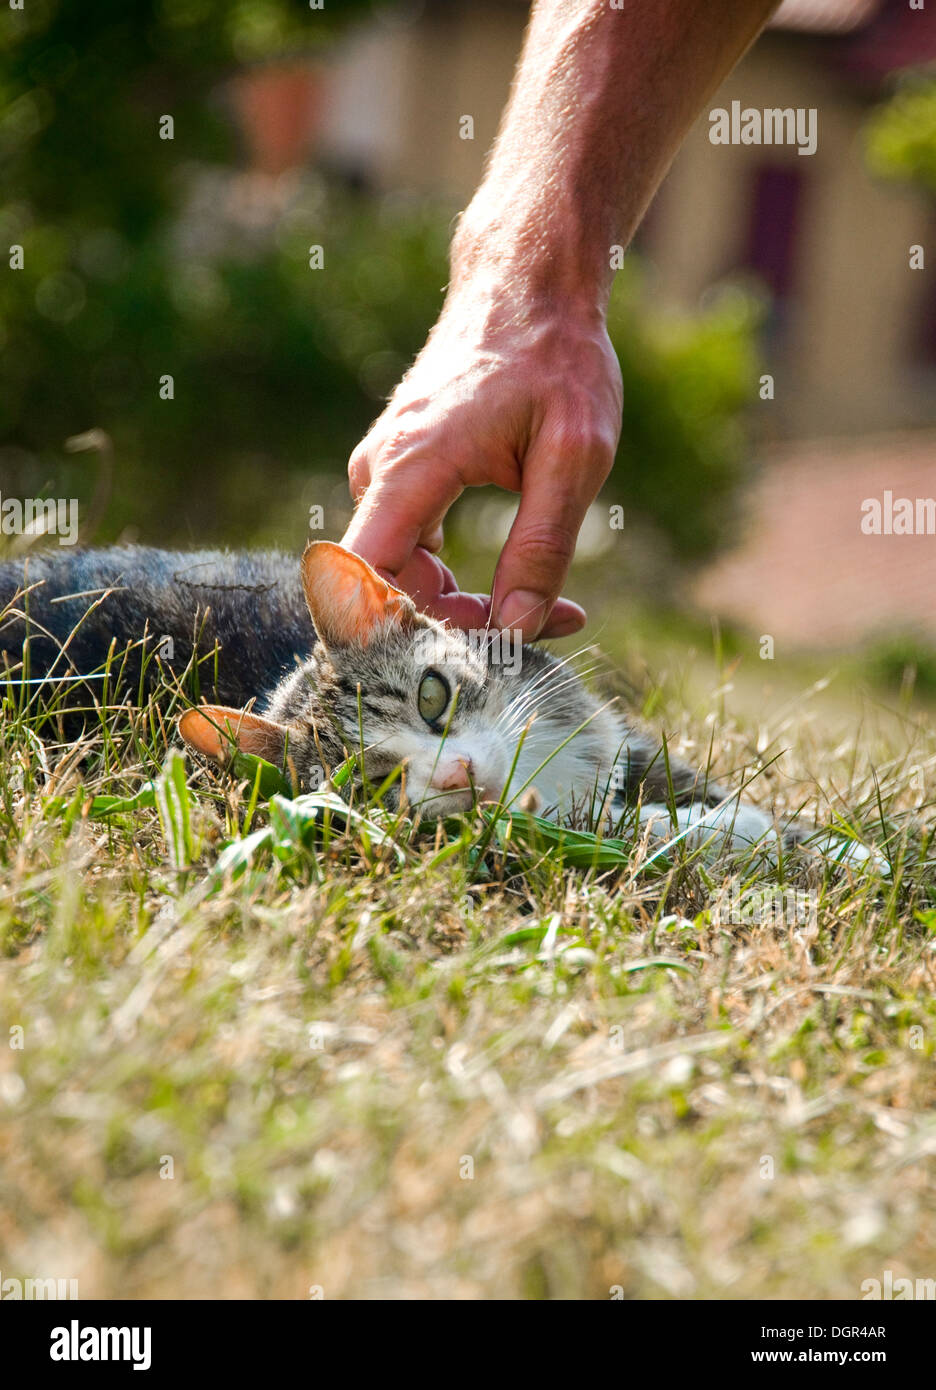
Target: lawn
{"x":385,"y":1064}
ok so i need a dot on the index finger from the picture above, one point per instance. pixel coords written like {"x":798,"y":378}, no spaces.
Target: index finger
{"x":397,"y":508}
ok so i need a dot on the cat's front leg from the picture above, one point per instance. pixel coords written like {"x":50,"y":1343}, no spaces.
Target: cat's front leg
{"x":736,"y":826}
{"x":831,"y":844}
{"x":733,"y":826}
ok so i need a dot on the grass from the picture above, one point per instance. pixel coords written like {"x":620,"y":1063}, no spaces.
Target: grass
{"x":449,"y":1065}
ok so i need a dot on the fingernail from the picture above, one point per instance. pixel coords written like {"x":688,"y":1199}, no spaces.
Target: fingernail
{"x":524,"y":609}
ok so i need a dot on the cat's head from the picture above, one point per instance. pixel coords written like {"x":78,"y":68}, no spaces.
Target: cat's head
{"x":411,"y":691}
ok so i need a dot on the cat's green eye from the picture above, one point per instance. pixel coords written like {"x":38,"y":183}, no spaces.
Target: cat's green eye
{"x":434,"y":696}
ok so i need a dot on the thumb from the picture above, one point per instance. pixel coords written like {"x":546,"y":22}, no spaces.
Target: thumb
{"x":403,"y":503}
{"x":539,"y":549}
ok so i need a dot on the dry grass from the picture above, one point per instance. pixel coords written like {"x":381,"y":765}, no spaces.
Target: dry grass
{"x":420,"y":1082}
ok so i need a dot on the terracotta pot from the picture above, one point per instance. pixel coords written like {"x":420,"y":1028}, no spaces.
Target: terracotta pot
{"x":279,"y":109}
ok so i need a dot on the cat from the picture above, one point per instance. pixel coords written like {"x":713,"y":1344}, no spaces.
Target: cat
{"x":339,"y":661}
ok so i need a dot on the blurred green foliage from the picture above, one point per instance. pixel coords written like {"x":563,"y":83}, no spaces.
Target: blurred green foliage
{"x":278,"y":368}
{"x":901,"y":134}
{"x":905,"y":662}
{"x":688,"y":382}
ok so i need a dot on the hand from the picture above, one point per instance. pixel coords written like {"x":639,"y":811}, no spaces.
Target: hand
{"x":510,"y":389}
{"x":518,"y":384}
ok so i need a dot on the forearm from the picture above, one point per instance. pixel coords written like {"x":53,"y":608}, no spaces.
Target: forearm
{"x":519,"y":384}
{"x":601,"y":101}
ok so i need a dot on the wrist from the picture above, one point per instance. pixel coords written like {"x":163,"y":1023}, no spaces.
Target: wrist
{"x":541,"y":262}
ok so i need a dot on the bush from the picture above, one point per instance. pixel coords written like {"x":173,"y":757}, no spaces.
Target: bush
{"x":901,"y":134}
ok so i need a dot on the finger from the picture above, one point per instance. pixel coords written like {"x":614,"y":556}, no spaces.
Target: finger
{"x":562,"y":473}
{"x":473,"y":611}
{"x":449,"y":582}
{"x":566,"y":617}
{"x":424,"y":572}
{"x":400,"y":504}
{"x":432,"y":538}
{"x":359,"y":474}
{"x":423,"y":577}
{"x":435,"y":591}
{"x":539,"y":549}
{"x":470,"y":612}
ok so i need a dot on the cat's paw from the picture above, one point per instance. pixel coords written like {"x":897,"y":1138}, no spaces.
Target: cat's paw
{"x":709,"y":830}
{"x":842,"y":850}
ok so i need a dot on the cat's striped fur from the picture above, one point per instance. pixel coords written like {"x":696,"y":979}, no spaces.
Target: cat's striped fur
{"x":352,"y":678}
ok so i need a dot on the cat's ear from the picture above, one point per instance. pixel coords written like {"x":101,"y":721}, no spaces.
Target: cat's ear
{"x":213,"y":730}
{"x":348,"y":600}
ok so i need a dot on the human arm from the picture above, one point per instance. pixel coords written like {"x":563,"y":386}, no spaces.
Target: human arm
{"x":518,"y":384}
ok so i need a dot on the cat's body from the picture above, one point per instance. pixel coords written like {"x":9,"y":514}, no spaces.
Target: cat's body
{"x":366,"y":670}
{"x":256,"y":612}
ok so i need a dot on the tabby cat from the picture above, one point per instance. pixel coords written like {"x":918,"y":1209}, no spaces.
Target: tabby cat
{"x":368,"y":671}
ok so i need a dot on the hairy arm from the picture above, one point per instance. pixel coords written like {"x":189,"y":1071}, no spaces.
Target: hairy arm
{"x":518,"y":384}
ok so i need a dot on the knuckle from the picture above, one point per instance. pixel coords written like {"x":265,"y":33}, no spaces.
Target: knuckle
{"x":359,"y":468}
{"x":572,"y":438}
{"x":397,"y":449}
{"x":587,"y":439}
{"x":545,"y":545}
{"x":602,"y":454}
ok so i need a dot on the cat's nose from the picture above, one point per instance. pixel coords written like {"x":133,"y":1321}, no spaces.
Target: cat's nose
{"x":453,"y":776}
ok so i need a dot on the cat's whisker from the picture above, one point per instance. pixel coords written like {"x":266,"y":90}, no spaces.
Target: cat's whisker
{"x":529,"y":690}
{"x":535,"y":692}
{"x":541,"y":731}
{"x":549,"y":671}
{"x":535,"y":707}
{"x":515,"y":714}
{"x":541,"y":707}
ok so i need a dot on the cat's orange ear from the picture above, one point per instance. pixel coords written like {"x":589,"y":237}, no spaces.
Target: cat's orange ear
{"x":348,"y":600}
{"x":214,"y":730}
